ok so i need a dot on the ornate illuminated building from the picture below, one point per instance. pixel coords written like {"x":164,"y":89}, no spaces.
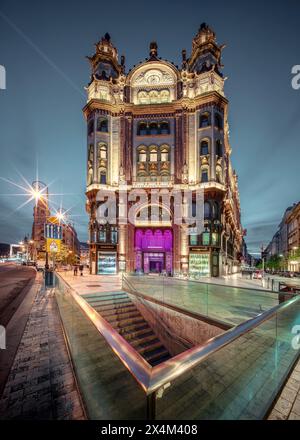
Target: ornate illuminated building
{"x":160,"y":126}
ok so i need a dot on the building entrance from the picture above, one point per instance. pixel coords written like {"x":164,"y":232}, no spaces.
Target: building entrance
{"x":153,"y":250}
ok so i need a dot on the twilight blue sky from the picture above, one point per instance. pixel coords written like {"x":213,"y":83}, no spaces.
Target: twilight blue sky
{"x":43,"y":47}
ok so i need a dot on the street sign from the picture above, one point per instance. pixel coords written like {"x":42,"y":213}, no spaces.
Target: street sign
{"x":53,"y":245}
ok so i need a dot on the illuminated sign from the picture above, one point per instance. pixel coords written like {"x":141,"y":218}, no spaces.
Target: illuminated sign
{"x":53,"y":245}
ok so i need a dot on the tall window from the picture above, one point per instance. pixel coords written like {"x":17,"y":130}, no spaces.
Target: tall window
{"x":142,"y":155}
{"x":219,"y":148}
{"x":204,"y":175}
{"x":204,"y":150}
{"x":90,"y":127}
{"x":102,"y":125}
{"x":153,"y":128}
{"x":102,"y":235}
{"x":142,"y":129}
{"x":103,"y":177}
{"x":153,"y":155}
{"x":103,"y":151}
{"x":164,"y":155}
{"x":218,"y":121}
{"x":205,"y":120}
{"x":207,"y":210}
{"x":114,"y":235}
{"x":164,"y":128}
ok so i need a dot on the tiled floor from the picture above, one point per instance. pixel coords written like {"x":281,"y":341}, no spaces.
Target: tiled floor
{"x":41,"y":383}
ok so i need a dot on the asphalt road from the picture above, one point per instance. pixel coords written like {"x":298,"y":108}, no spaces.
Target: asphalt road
{"x":15,"y":282}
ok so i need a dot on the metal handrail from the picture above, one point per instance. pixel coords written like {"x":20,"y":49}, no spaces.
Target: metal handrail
{"x":133,"y":361}
{"x":153,"y":378}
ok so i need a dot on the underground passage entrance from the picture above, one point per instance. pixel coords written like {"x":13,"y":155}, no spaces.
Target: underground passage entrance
{"x":155,"y":331}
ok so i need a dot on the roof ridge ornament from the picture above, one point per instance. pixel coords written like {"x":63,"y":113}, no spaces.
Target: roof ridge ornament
{"x":153,"y":50}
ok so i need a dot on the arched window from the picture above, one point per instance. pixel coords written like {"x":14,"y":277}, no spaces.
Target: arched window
{"x":204,"y":174}
{"x":164,"y":154}
{"x":102,"y":125}
{"x":165,"y":96}
{"x":164,"y":128}
{"x":90,"y":127}
{"x":204,"y":148}
{"x":103,"y":151}
{"x":218,"y":121}
{"x":154,"y":97}
{"x":142,"y":129}
{"x":143,"y":97}
{"x":204,"y":120}
{"x":215,"y":210}
{"x":153,"y":128}
{"x":219,"y":148}
{"x":207,"y":211}
{"x":153,"y":154}
{"x":142,"y":155}
{"x":102,"y":178}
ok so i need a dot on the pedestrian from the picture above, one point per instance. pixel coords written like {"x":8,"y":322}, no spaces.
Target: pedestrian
{"x":81,"y":269}
{"x":75,"y":269}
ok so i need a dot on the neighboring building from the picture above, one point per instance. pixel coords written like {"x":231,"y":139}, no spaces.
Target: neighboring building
{"x":41,"y":212}
{"x":162,"y":127}
{"x":41,"y":216}
{"x":4,"y":250}
{"x":279,"y":246}
{"x":293,"y":230}
{"x":70,"y":239}
{"x":84,"y":253}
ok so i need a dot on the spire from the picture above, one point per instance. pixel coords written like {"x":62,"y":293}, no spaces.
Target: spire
{"x":153,"y":49}
{"x":206,"y":53}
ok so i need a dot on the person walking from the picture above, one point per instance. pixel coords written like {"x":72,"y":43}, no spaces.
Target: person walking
{"x":81,"y":269}
{"x":75,"y":269}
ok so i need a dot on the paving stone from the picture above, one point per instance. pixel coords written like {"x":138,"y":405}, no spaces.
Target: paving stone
{"x":41,"y":384}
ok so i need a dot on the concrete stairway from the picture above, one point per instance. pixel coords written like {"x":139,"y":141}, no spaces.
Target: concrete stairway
{"x":118,"y":309}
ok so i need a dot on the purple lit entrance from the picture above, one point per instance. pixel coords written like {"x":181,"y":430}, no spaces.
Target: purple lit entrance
{"x":153,"y":250}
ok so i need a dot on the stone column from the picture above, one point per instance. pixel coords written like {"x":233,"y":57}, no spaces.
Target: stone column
{"x":184,"y":249}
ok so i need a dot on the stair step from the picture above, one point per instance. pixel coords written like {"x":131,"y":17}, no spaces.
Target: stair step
{"x":132,"y":329}
{"x":138,"y":332}
{"x":156,"y":353}
{"x":114,"y":306}
{"x":110,"y":303}
{"x":119,"y":318}
{"x":160,"y":360}
{"x":143,"y":338}
{"x":92,"y":297}
{"x":149,"y":346}
{"x":105,"y":299}
{"x":126,"y":323}
{"x":118,"y":311}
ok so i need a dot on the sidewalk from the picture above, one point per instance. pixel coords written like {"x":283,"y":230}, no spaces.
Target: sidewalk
{"x":287,"y":406}
{"x":41,"y":384}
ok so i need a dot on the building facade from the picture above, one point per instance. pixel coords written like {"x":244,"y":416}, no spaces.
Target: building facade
{"x":279,"y":245}
{"x":293,"y":231}
{"x":36,"y":247}
{"x":159,"y":127}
